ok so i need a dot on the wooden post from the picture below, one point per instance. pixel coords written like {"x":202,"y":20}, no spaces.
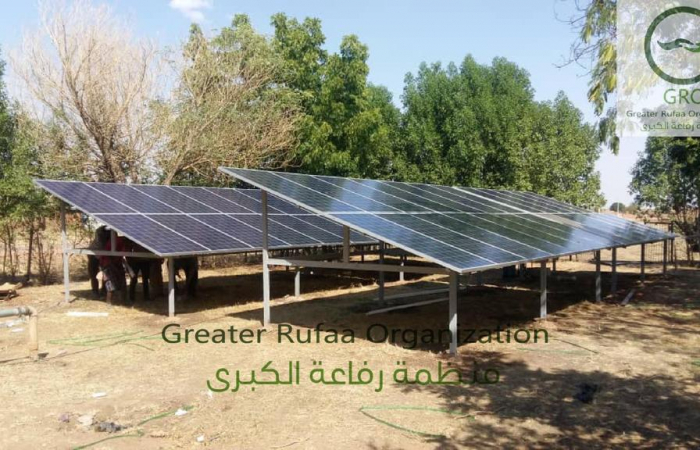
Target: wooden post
{"x":34,"y":332}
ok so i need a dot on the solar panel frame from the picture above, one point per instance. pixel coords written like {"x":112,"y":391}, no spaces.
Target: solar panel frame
{"x":337,"y":200}
{"x":165,"y":233}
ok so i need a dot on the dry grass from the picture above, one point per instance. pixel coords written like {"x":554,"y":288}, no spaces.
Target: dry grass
{"x":640,"y":356}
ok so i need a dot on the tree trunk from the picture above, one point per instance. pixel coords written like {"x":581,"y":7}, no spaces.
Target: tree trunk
{"x":28,"y":274}
{"x":11,"y":260}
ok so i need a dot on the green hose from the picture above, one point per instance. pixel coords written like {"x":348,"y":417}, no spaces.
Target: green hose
{"x":136,"y":433}
{"x":89,"y":341}
{"x":363,"y":410}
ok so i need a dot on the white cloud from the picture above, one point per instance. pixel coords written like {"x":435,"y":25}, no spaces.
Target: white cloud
{"x":192,"y":9}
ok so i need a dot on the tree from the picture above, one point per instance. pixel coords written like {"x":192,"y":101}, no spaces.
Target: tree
{"x":618,"y":207}
{"x":479,"y":125}
{"x":347,"y":125}
{"x":595,"y":48}
{"x":666,"y":179}
{"x":561,"y":156}
{"x":95,"y":82}
{"x":227,"y":107}
{"x":20,"y":203}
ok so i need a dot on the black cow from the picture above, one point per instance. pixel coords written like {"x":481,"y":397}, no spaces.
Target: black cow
{"x":191,"y":268}
{"x":139,"y":266}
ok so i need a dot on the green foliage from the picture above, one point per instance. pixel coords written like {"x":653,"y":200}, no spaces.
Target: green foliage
{"x":242,"y":98}
{"x":19,"y":163}
{"x":227,"y":108}
{"x":667,"y":179}
{"x":597,"y":42}
{"x":479,"y":125}
{"x":349,"y":126}
{"x":618,"y":207}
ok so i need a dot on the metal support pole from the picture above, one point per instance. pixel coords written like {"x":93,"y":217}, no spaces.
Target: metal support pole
{"x":113,"y":240}
{"x":346,"y":244}
{"x":598,"y":284}
{"x":480,"y":278}
{"x":543,"y":289}
{"x":381,"y":274}
{"x":554,"y":266}
{"x":266,"y":267}
{"x":297,"y":283}
{"x":454,"y":285}
{"x":171,"y":287}
{"x":403,"y":263}
{"x":665,"y":256}
{"x":613,"y":280}
{"x":66,"y":256}
{"x":642,"y":263}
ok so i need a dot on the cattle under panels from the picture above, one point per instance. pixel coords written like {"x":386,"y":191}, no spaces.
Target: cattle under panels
{"x":174,"y":221}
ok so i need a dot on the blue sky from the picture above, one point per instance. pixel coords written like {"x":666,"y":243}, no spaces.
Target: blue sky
{"x":400,"y":36}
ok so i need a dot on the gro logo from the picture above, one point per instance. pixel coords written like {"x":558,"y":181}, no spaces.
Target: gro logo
{"x":675,"y":68}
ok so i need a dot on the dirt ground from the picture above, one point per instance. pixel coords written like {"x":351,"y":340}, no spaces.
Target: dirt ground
{"x":636,"y":366}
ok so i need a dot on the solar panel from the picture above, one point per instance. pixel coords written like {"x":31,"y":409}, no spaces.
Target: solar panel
{"x":463,"y":229}
{"x":625,"y":231}
{"x":172,"y":221}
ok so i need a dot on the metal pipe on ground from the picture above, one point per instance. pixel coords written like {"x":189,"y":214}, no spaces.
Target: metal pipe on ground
{"x":33,"y":323}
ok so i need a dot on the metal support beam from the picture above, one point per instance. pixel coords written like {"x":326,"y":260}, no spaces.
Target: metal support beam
{"x":554,"y":265}
{"x":598,"y":284}
{"x":543,"y":289}
{"x":403,"y":263}
{"x":297,"y":283}
{"x":66,"y":256}
{"x":88,"y":251}
{"x":454,"y":285}
{"x":479,"y":278}
{"x":381,"y":274}
{"x":113,"y":240}
{"x":613,"y":279}
{"x":171,"y":287}
{"x":265,"y":260}
{"x":642,"y":263}
{"x":346,"y":243}
{"x":665,"y":256}
{"x":368,"y":267}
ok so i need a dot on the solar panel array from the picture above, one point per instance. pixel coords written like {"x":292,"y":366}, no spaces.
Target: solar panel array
{"x":172,"y":220}
{"x":463,"y":229}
